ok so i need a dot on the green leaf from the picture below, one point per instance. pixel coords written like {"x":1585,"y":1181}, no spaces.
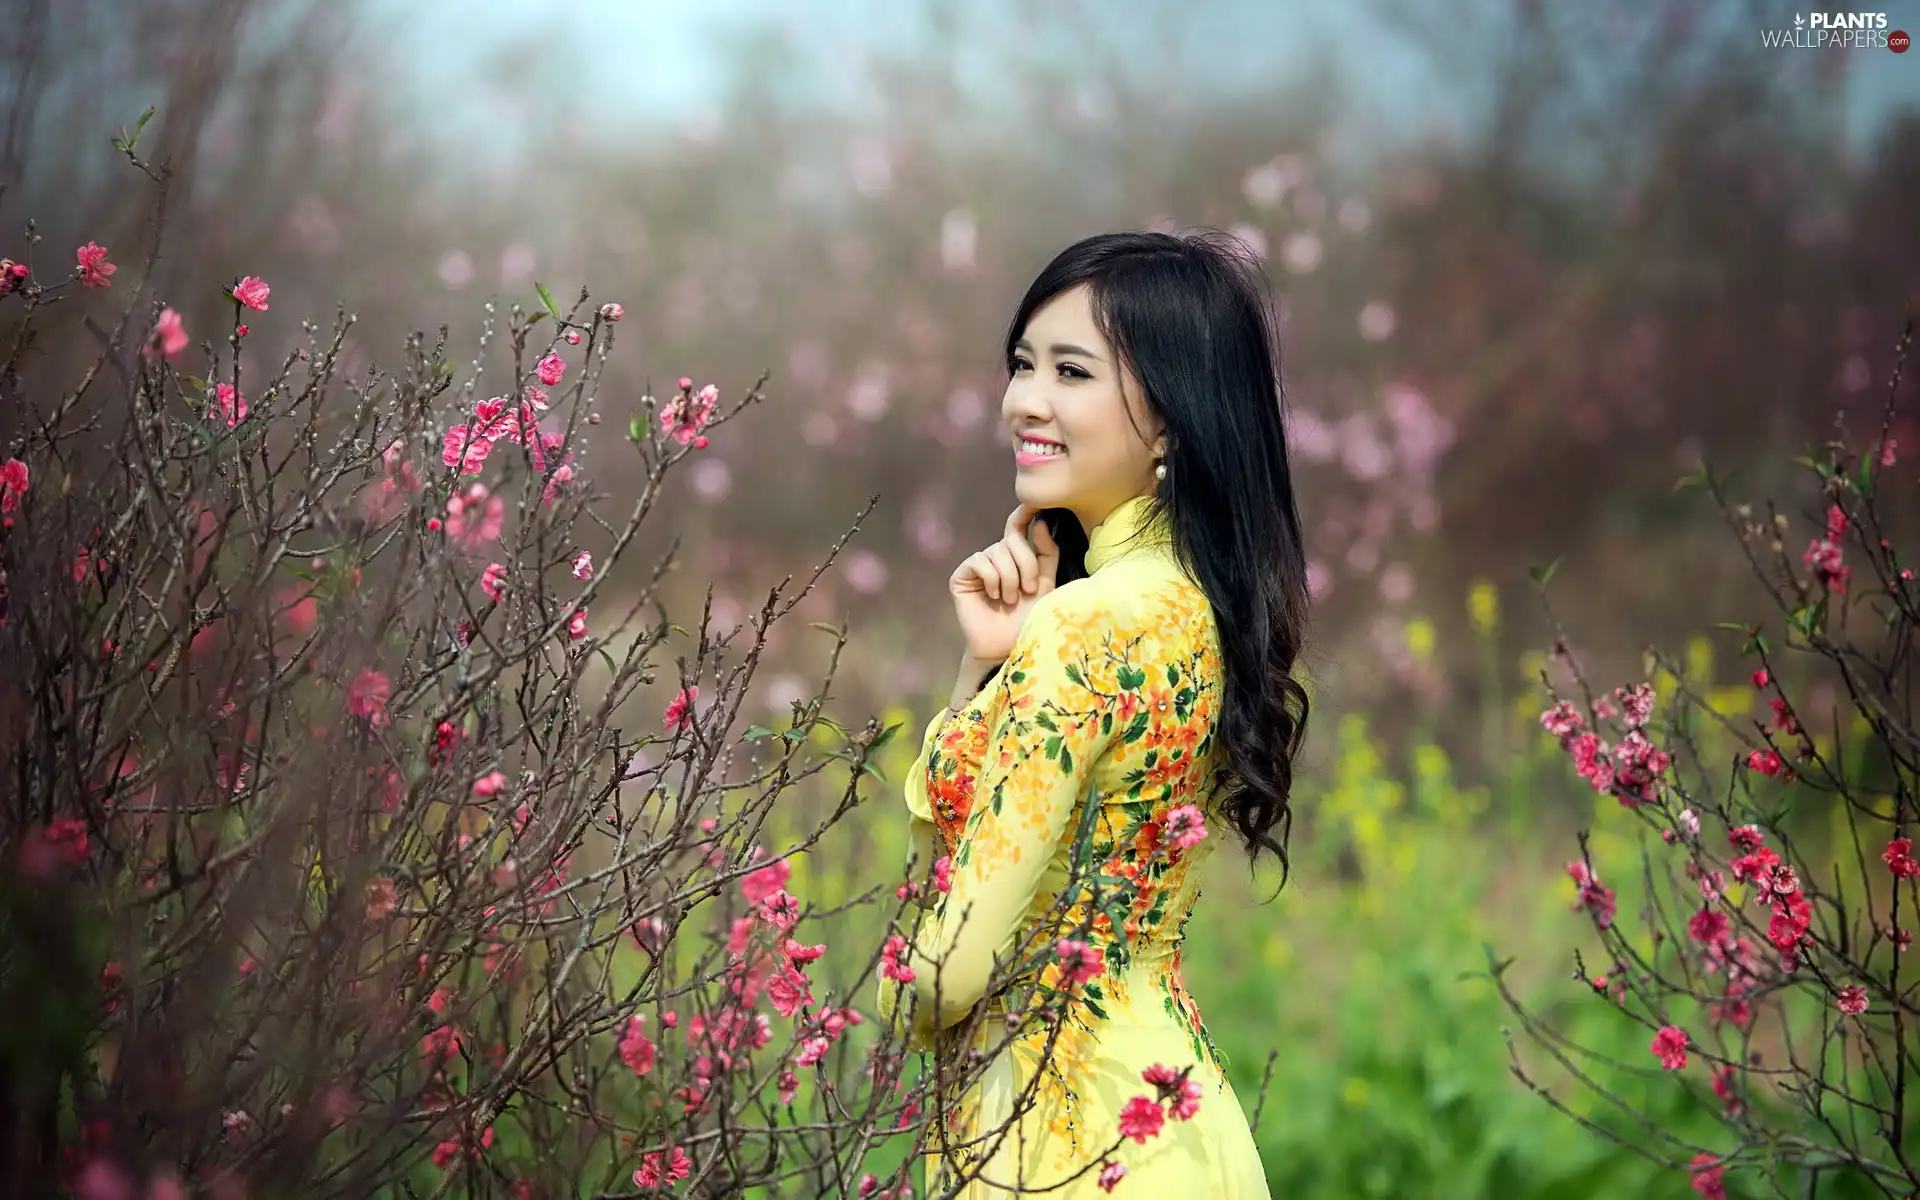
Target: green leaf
{"x":1541,"y":575}
{"x":757,"y":733}
{"x":884,"y":736}
{"x":1866,"y":473}
{"x":138,"y":126}
{"x":546,"y":298}
{"x":633,"y":430}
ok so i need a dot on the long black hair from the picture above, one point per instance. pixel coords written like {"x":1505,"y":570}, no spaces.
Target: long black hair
{"x":1192,"y":317}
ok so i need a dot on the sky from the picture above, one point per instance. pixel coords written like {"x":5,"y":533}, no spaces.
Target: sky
{"x":651,"y":63}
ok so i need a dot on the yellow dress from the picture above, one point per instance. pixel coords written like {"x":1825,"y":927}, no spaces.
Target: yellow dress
{"x":1051,"y":792}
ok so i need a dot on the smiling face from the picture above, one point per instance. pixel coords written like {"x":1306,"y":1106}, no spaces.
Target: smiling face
{"x":1068,"y":388}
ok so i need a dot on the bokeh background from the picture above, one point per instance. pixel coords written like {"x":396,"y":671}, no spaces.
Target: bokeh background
{"x":1532,"y":260}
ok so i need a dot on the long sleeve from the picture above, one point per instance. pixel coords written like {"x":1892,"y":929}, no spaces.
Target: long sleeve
{"x":1046,"y":732}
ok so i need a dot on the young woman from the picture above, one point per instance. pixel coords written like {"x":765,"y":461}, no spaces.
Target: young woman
{"x":1125,"y":704}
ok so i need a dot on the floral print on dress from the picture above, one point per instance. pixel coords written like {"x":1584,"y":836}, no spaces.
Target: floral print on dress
{"x":1051,"y":792}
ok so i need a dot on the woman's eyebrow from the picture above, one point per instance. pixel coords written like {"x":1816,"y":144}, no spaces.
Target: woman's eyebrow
{"x":1060,"y":349}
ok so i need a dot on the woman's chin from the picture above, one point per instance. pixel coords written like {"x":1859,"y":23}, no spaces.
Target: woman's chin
{"x":1028,"y":490}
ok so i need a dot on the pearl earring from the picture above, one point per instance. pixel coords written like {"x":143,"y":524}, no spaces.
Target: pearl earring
{"x":1160,"y":471}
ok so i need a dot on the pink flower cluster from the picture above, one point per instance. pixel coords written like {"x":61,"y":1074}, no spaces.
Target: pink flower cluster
{"x":687,"y":414}
{"x":659,"y":1169}
{"x":474,"y":518}
{"x":1777,"y":887}
{"x":1670,"y":1046}
{"x":1631,"y":770}
{"x":890,"y":965}
{"x":1596,"y":897}
{"x":1900,"y":860}
{"x":467,"y":445}
{"x":46,"y":849}
{"x":14,"y":479}
{"x":1142,"y":1117}
{"x":1824,"y":557}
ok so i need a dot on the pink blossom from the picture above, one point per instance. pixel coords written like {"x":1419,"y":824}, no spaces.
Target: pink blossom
{"x":657,"y":1170}
{"x":780,"y":910}
{"x":1079,"y":962}
{"x":1836,"y":522}
{"x":368,"y":694}
{"x":1851,"y":1000}
{"x":577,"y":625}
{"x":102,"y":1180}
{"x":1768,"y":762}
{"x":252,"y":292}
{"x":799,"y":954}
{"x":1185,"y":1093}
{"x":890,"y":965}
{"x":789,"y":990}
{"x":1595,"y":897}
{"x":1670,"y":1045}
{"x":1186,"y":827}
{"x":551,"y":368}
{"x":1899,"y":858}
{"x":1706,"y":1177}
{"x":493,"y":581}
{"x":45,"y":849}
{"x":1889,"y":451}
{"x":943,"y":873}
{"x":1562,"y":721}
{"x":490,"y":785}
{"x":1825,"y":559}
{"x":467,"y":451}
{"x":1709,"y":927}
{"x":612,"y":312}
{"x":562,"y":476}
{"x":583,"y":565}
{"x":474,"y":519}
{"x":233,"y":406}
{"x":685,"y":416}
{"x":1142,"y":1118}
{"x":650,"y":934}
{"x":14,"y":478}
{"x":94,"y":267}
{"x":381,"y":898}
{"x":680,"y":710}
{"x":1110,"y":1175}
{"x":767,"y":880}
{"x":635,"y":1049}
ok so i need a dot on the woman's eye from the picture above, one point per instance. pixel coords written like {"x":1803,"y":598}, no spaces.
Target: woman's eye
{"x":1016,"y":363}
{"x":1074,"y":372}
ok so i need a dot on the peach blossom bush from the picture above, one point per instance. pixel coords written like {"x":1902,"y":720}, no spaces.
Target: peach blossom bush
{"x":348,"y":848}
{"x":1751,"y":881}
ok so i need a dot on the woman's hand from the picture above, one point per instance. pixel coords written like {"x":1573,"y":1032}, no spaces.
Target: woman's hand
{"x":994,"y":590}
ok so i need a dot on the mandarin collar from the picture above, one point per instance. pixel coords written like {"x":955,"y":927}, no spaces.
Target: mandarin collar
{"x":1116,"y":534}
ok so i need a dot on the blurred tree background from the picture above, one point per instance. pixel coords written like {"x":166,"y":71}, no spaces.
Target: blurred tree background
{"x":1532,"y":260}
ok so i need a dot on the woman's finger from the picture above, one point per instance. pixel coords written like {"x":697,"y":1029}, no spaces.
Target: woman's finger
{"x":1001,"y":555}
{"x":1027,"y":560}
